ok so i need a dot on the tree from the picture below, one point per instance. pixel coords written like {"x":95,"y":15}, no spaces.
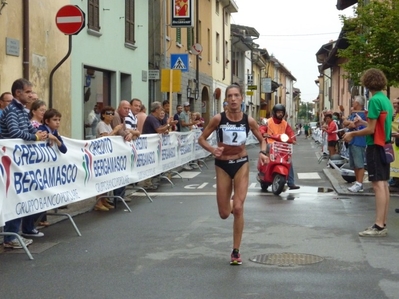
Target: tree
{"x":305,"y":111}
{"x":373,"y":37}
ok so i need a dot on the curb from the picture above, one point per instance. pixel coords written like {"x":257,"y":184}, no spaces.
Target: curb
{"x":338,"y":185}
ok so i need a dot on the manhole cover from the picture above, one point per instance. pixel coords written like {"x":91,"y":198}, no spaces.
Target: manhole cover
{"x":286,"y":259}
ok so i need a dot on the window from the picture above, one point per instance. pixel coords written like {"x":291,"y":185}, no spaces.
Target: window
{"x":226,"y":53}
{"x":129,"y":22}
{"x":178,"y":36}
{"x":217,"y":47}
{"x":217,"y":6}
{"x":97,"y":94}
{"x":190,"y":37}
{"x":209,"y":46}
{"x":94,"y":15}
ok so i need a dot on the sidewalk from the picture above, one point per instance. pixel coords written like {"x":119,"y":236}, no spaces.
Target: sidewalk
{"x":341,"y":186}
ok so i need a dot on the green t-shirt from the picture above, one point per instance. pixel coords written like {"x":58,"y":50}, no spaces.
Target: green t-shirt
{"x":379,"y":102}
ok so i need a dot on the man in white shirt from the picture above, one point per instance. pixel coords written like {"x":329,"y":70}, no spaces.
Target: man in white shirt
{"x":93,"y":119}
{"x":131,"y":119}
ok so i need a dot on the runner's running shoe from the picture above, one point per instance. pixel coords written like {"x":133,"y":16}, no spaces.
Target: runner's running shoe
{"x":235,"y":258}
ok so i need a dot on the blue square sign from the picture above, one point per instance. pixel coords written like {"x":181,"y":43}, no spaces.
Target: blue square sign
{"x":179,"y":62}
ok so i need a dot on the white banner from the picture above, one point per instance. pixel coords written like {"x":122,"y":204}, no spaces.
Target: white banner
{"x":35,"y":177}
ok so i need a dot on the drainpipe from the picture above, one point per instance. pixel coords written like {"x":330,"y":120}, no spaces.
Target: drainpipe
{"x":25,"y":39}
{"x":197,"y":40}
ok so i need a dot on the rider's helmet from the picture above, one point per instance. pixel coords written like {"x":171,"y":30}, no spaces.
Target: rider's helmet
{"x":278,"y":107}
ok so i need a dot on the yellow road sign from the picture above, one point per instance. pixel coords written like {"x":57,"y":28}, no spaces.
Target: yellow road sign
{"x":250,"y":93}
{"x":169,"y":81}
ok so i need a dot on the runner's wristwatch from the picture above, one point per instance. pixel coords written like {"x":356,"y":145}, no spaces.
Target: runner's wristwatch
{"x":263,"y":152}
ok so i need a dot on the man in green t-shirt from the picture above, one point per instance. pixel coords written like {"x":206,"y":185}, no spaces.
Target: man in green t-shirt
{"x":378,"y":171}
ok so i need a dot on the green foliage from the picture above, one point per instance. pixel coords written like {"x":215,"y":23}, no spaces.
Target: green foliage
{"x":373,"y":36}
{"x":305,"y":110}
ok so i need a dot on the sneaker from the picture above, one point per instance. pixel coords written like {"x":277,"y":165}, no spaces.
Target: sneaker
{"x":33,"y":233}
{"x":374,"y":232}
{"x":186,"y":167}
{"x":356,"y":187}
{"x":151,"y":187}
{"x":235,"y":257}
{"x":15,"y":243}
{"x":294,"y":187}
{"x":195,"y":166}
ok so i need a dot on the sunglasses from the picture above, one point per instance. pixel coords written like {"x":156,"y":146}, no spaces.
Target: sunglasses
{"x":109,"y":113}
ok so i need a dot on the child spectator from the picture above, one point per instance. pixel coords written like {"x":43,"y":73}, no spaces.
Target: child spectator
{"x":51,"y":123}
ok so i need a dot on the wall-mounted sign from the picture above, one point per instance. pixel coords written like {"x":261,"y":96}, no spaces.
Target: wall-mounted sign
{"x":153,"y":74}
{"x":252,"y":87}
{"x":182,"y":13}
{"x":12,"y":46}
{"x":266,"y":85}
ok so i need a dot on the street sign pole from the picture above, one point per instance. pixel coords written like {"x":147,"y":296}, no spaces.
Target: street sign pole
{"x":70,"y":20}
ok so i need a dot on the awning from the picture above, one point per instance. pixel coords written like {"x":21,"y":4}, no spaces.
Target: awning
{"x":342,"y":4}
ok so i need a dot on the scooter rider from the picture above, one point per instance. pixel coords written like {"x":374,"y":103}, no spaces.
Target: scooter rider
{"x":277,"y":125}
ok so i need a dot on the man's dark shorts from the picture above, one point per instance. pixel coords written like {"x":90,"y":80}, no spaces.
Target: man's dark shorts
{"x":332,"y":143}
{"x":377,"y":170}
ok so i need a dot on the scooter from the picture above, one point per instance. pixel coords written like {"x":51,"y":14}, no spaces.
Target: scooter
{"x":275,"y":173}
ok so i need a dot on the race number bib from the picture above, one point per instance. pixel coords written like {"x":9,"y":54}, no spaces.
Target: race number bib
{"x":234,"y":136}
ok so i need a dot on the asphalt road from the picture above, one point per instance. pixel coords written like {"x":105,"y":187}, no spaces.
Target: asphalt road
{"x":178,"y":247}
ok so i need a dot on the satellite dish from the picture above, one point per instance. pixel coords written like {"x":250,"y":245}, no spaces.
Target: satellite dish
{"x":196,"y":49}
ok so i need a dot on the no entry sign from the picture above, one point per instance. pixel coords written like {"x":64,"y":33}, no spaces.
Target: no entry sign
{"x":70,"y":19}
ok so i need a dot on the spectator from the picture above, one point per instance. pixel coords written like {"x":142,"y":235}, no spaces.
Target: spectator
{"x":92,"y":119}
{"x":357,"y":146}
{"x":104,"y":129}
{"x":37,"y":110}
{"x":199,"y":120}
{"x":36,"y":113}
{"x":51,"y":124}
{"x":119,"y":118}
{"x":378,"y":170}
{"x":28,"y":105}
{"x":165,"y":106}
{"x":15,"y":123}
{"x":225,"y":106}
{"x":306,"y":129}
{"x":179,"y":109}
{"x":152,"y":124}
{"x":5,"y":100}
{"x":186,"y":123}
{"x":331,"y":130}
{"x":131,"y":119}
{"x":141,"y":116}
{"x":394,"y":181}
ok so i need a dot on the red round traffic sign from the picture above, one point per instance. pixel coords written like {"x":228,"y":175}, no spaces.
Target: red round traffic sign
{"x":70,"y":19}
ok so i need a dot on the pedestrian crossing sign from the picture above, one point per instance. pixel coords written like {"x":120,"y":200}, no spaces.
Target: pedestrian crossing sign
{"x":179,"y":62}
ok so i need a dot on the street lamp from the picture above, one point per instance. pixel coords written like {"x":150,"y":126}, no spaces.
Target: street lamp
{"x":192,"y":93}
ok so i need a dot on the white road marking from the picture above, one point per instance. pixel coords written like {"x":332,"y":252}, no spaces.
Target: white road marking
{"x":187,"y":174}
{"x":304,"y":190}
{"x":308,"y":175}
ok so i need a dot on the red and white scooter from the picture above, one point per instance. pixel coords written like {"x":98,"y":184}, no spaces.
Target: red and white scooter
{"x":276,"y":172}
